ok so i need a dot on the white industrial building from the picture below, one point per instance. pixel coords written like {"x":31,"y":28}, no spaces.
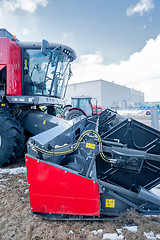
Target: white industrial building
{"x":106,"y":94}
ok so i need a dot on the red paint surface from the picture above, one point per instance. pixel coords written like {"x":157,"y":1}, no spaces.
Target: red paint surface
{"x":97,"y":109}
{"x":2,"y":66}
{"x":10,"y":55}
{"x":53,"y":190}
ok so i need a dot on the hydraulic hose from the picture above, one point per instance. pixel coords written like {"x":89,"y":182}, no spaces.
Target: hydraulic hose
{"x":54,"y":153}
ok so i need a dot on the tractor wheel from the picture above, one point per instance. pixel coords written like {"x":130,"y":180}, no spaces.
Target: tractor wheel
{"x":11,"y":138}
{"x":65,"y":112}
{"x":73,"y":114}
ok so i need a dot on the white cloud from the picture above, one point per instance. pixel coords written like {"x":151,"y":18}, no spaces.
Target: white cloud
{"x":141,"y":7}
{"x":25,"y":31}
{"x":141,"y":71}
{"x":67,"y":35}
{"x":26,"y":5}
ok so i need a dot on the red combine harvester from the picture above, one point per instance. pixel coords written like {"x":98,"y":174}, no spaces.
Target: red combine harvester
{"x":31,"y":74}
{"x":100,"y":167}
{"x":81,"y":106}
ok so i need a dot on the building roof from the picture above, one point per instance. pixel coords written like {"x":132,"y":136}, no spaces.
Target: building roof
{"x":105,"y":81}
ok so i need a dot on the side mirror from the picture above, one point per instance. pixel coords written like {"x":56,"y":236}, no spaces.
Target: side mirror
{"x":44,"y":47}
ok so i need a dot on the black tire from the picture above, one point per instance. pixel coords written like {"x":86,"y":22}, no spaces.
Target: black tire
{"x":73,"y":114}
{"x":11,"y":139}
{"x":65,"y":109}
{"x":65,"y":112}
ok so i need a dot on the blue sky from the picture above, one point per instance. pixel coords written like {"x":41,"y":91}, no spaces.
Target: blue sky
{"x":108,"y":36}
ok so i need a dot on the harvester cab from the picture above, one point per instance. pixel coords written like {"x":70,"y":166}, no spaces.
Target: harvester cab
{"x":32,"y":74}
{"x":33,"y":69}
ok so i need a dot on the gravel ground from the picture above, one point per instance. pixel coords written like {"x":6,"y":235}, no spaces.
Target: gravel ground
{"x":17,"y":221}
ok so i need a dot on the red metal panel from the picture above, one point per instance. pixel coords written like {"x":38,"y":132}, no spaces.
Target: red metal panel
{"x":10,"y":55}
{"x":2,"y":66}
{"x":54,"y":190}
{"x":3,"y":50}
{"x":14,"y":70}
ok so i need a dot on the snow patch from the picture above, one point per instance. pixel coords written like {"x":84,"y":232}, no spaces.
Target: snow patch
{"x":96,"y":232}
{"x":156,"y":191}
{"x":119,"y":230}
{"x":131,"y":112}
{"x":112,"y":236}
{"x":22,"y":198}
{"x":13,"y":170}
{"x":4,"y":179}
{"x":21,"y":181}
{"x":150,"y":235}
{"x":26,"y":191}
{"x":3,"y":186}
{"x":133,"y":229}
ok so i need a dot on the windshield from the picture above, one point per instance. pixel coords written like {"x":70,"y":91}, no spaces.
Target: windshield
{"x":49,"y":75}
{"x":84,"y":104}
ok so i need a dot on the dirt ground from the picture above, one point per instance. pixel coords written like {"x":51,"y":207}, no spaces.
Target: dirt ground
{"x":17,"y":221}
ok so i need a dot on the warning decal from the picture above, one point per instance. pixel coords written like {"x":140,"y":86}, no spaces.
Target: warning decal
{"x":110,"y":203}
{"x":90,"y":145}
